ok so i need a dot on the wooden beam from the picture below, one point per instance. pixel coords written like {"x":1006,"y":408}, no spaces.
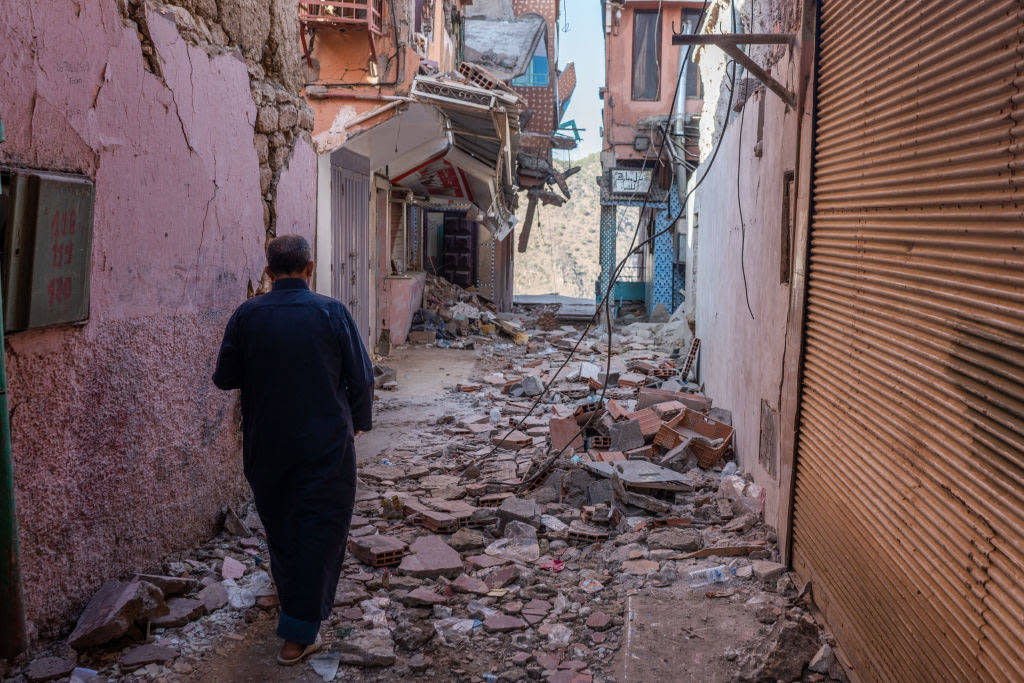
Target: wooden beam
{"x":760,"y":74}
{"x":722,"y":39}
{"x":524,"y":234}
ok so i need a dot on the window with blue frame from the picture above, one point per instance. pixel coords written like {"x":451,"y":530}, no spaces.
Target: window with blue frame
{"x":537,"y":74}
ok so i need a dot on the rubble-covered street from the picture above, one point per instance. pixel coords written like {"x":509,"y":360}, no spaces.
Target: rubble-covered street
{"x":493,"y":541}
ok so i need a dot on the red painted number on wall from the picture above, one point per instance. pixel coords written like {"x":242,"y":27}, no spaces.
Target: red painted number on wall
{"x":62,"y":254}
{"x":63,"y":224}
{"x":58,"y":290}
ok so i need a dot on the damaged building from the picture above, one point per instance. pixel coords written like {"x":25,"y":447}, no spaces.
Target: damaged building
{"x":648,"y":150}
{"x":422,"y":148}
{"x":150,"y":150}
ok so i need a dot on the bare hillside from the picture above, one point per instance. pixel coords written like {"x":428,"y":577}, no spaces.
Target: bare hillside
{"x":562,"y":256}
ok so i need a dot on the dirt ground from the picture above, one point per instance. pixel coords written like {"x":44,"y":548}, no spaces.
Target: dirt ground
{"x":620,"y":609}
{"x":424,"y":373}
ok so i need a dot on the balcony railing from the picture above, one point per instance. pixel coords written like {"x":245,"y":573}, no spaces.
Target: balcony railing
{"x":339,"y":15}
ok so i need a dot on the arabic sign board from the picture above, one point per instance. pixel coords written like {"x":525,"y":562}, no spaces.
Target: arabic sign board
{"x":631,"y":180}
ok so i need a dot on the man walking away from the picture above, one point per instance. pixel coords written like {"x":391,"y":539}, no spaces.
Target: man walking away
{"x":307,"y":388}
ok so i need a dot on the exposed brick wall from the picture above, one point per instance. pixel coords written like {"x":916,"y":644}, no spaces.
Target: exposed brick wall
{"x":542,"y":100}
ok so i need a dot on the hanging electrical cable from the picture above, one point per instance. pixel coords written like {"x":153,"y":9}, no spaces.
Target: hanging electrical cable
{"x":634,"y":248}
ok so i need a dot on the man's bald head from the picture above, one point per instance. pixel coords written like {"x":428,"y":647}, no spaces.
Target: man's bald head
{"x":289,"y":255}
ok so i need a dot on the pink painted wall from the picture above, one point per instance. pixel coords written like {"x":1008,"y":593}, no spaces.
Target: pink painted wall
{"x":742,"y":356}
{"x":123,"y":449}
{"x":404,"y":297}
{"x":296,"y":194}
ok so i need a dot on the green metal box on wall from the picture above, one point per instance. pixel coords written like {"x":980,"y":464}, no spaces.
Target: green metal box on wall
{"x":47,"y":237}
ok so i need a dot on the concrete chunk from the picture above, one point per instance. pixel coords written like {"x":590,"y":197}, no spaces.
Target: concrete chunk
{"x":523,"y":510}
{"x":626,"y":436}
{"x":768,"y":571}
{"x":367,"y":648}
{"x":113,"y":610}
{"x":431,"y":557}
{"x":503,"y":623}
{"x":146,"y":654}
{"x":181,"y":611}
{"x":49,"y":668}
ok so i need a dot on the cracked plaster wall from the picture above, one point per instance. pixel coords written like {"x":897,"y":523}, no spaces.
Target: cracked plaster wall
{"x":739,"y":208}
{"x":123,"y":449}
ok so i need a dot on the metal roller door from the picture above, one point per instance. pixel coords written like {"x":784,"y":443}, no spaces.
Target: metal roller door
{"x":909,"y":501}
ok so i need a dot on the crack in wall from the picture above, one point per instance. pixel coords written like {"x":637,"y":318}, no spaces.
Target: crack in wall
{"x":287,"y":117}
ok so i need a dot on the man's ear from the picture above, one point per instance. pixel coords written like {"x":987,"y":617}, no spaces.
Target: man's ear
{"x":269,"y":274}
{"x":309,"y":270}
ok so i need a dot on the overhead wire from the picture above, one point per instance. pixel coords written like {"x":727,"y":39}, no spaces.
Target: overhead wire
{"x":739,"y":162}
{"x":633,"y":249}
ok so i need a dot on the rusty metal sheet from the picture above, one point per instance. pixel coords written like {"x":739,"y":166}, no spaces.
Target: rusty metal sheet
{"x":909,"y":496}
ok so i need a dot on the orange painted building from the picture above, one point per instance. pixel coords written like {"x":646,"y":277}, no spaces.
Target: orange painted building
{"x":421,"y":147}
{"x":651,"y":97}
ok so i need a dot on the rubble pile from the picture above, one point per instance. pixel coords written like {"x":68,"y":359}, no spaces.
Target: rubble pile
{"x":161,"y":625}
{"x":449,"y":312}
{"x":508,"y":552}
{"x":506,"y":544}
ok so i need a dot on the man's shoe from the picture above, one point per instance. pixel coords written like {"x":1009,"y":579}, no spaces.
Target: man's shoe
{"x":307,"y":651}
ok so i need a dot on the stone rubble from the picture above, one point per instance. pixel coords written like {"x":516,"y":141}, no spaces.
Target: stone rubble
{"x":496,"y":562}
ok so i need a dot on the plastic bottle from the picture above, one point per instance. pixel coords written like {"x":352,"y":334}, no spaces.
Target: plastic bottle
{"x":706,"y":577}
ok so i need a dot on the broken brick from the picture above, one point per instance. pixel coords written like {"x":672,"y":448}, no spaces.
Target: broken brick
{"x":502,"y":623}
{"x":431,"y":557}
{"x":377,"y":550}
{"x":565,"y":434}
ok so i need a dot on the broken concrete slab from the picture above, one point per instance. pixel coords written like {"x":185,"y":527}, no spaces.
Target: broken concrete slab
{"x":467,"y":539}
{"x":171,"y":585}
{"x":674,"y":539}
{"x":640,"y":475}
{"x":146,"y":654}
{"x":625,"y":436}
{"x":367,"y":648}
{"x":532,"y":386}
{"x":49,"y":668}
{"x":180,"y":612}
{"x":768,"y":571}
{"x":525,"y":510}
{"x":503,"y":623}
{"x":113,"y":609}
{"x":431,"y":557}
{"x":783,"y":652}
{"x":213,"y":597}
{"x":349,"y":593}
{"x":470,"y":584}
{"x":422,"y":597}
{"x":639,"y":567}
{"x":232,"y":569}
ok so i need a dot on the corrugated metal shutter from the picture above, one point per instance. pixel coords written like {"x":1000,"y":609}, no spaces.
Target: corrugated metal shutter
{"x":909,"y":503}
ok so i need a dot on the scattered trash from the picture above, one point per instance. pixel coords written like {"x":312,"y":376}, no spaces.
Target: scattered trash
{"x":705,"y":577}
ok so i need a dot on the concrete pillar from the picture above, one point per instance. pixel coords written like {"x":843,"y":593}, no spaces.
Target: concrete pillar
{"x":607,"y":253}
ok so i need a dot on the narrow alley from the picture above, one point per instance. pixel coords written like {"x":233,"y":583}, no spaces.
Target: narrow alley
{"x":509,"y":563}
{"x":577,"y":341}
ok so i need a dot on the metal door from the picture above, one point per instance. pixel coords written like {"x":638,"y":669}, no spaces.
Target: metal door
{"x":350,"y":223}
{"x":460,"y":246}
{"x":908,"y":515}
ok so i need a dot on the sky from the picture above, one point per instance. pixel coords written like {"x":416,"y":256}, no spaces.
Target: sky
{"x":581,"y":41}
